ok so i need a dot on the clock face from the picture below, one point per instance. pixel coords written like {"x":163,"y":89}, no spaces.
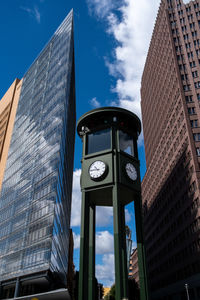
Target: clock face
{"x":97,"y":170}
{"x":131,"y":171}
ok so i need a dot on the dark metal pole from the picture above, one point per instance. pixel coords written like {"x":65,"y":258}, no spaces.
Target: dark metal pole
{"x":91,"y":275}
{"x":121,"y":274}
{"x":84,"y":243}
{"x":141,"y":250}
{"x":1,"y":291}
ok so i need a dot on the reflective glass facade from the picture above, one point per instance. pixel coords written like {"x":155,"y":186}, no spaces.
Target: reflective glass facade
{"x":35,"y":201}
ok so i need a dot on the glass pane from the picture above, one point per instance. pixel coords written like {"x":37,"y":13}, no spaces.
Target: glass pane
{"x":98,"y":141}
{"x":126,"y":143}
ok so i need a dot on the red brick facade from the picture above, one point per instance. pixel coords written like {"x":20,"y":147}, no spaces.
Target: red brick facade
{"x":133,"y":268}
{"x":171,"y":121}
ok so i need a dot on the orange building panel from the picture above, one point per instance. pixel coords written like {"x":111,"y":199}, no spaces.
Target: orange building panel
{"x":8,"y":107}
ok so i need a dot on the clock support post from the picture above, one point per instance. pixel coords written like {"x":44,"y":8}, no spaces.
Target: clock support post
{"x":141,"y":250}
{"x":84,"y":242}
{"x":121,"y":278}
{"x":110,"y":177}
{"x":92,"y":253}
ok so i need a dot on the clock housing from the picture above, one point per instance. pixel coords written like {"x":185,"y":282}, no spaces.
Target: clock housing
{"x":91,"y":178}
{"x":129,"y":171}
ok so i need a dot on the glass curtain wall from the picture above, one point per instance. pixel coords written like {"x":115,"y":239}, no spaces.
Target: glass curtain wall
{"x":35,"y":201}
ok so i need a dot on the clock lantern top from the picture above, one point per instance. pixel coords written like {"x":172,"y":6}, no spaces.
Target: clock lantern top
{"x":110,"y":154}
{"x":108,"y":116}
{"x":97,"y":123}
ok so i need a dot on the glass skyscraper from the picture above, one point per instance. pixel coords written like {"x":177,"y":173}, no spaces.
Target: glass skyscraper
{"x":35,"y":200}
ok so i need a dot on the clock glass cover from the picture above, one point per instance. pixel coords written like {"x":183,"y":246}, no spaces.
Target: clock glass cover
{"x":97,"y":170}
{"x":131,"y":171}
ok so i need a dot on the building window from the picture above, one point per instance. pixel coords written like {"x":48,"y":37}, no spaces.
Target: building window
{"x":198,"y":96}
{"x":197,"y":84}
{"x":191,"y":110}
{"x":186,"y":88}
{"x":192,"y":25}
{"x":194,"y":123}
{"x":194,"y":33}
{"x":194,"y":74}
{"x":192,"y":64}
{"x":187,"y":45}
{"x":198,"y":151}
{"x":189,"y":98}
{"x":190,"y":17}
{"x":196,"y":137}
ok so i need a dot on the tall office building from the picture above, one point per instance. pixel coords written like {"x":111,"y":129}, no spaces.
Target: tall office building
{"x":35,"y":200}
{"x":171,"y":120}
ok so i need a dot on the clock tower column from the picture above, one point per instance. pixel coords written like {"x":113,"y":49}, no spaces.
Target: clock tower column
{"x":110,"y":177}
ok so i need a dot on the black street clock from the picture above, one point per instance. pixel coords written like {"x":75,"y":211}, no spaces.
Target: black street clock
{"x":110,"y":177}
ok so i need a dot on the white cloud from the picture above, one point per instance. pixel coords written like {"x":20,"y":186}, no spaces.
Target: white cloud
{"x":95,"y":103}
{"x":33,"y":12}
{"x":127,"y":216}
{"x":105,"y":272}
{"x":101,"y":8}
{"x":76,"y":240}
{"x":104,"y":215}
{"x":104,"y":242}
{"x":132,"y":32}
{"x":76,"y":199}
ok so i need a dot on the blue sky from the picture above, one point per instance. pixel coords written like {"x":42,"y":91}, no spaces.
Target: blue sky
{"x":111,"y":43}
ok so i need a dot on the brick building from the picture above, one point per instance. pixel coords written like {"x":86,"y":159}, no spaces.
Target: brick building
{"x":133,"y":267}
{"x":170,"y":103}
